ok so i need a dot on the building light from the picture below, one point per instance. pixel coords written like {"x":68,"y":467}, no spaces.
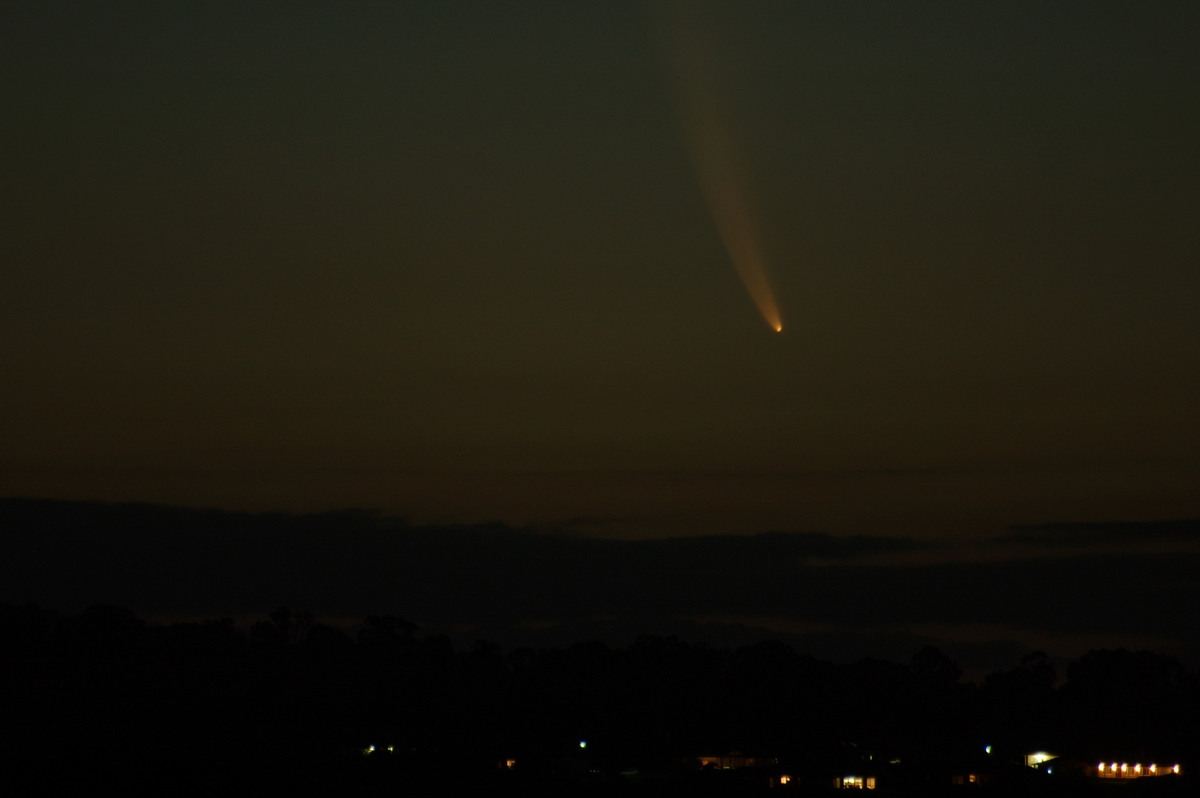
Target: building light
{"x":1037,"y":758}
{"x":857,"y":783}
{"x":1175,"y":769}
{"x":784,"y":779}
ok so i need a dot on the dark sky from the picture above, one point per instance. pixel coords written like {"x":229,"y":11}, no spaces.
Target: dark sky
{"x":453,"y":260}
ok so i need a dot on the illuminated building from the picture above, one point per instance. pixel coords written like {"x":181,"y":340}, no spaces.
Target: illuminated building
{"x":734,"y":761}
{"x":854,"y":783}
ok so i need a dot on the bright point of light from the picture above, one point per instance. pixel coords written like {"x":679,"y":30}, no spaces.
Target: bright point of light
{"x":1175,"y":769}
{"x":583,"y":743}
{"x":987,"y":749}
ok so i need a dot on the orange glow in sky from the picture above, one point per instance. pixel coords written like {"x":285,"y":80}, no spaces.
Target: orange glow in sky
{"x":711,"y":147}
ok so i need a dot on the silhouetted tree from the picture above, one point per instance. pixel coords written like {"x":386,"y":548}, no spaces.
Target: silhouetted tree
{"x":1125,"y":703}
{"x":1020,"y":705}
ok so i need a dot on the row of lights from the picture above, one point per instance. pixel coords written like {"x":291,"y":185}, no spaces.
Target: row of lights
{"x":1137,"y":769}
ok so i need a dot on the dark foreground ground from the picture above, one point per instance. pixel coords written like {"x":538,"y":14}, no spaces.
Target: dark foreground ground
{"x":358,"y":776}
{"x":104,"y":703}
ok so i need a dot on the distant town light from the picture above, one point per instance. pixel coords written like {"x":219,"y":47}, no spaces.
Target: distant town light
{"x":583,"y":743}
{"x":1175,"y":769}
{"x":987,"y":749}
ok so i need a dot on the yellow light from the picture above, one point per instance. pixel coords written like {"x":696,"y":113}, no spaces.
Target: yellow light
{"x":784,"y":779}
{"x":1153,"y":768}
{"x":1175,"y":769}
{"x":1137,"y":768}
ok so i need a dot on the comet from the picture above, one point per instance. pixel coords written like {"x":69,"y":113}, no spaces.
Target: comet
{"x":709,"y":140}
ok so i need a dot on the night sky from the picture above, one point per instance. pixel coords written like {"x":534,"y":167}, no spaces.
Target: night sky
{"x":458,"y":262}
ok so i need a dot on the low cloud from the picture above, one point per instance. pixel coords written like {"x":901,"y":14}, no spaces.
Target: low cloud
{"x":829,"y":595}
{"x":1093,"y":534}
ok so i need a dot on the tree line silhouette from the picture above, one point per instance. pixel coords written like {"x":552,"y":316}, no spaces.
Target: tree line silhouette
{"x":104,"y":697}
